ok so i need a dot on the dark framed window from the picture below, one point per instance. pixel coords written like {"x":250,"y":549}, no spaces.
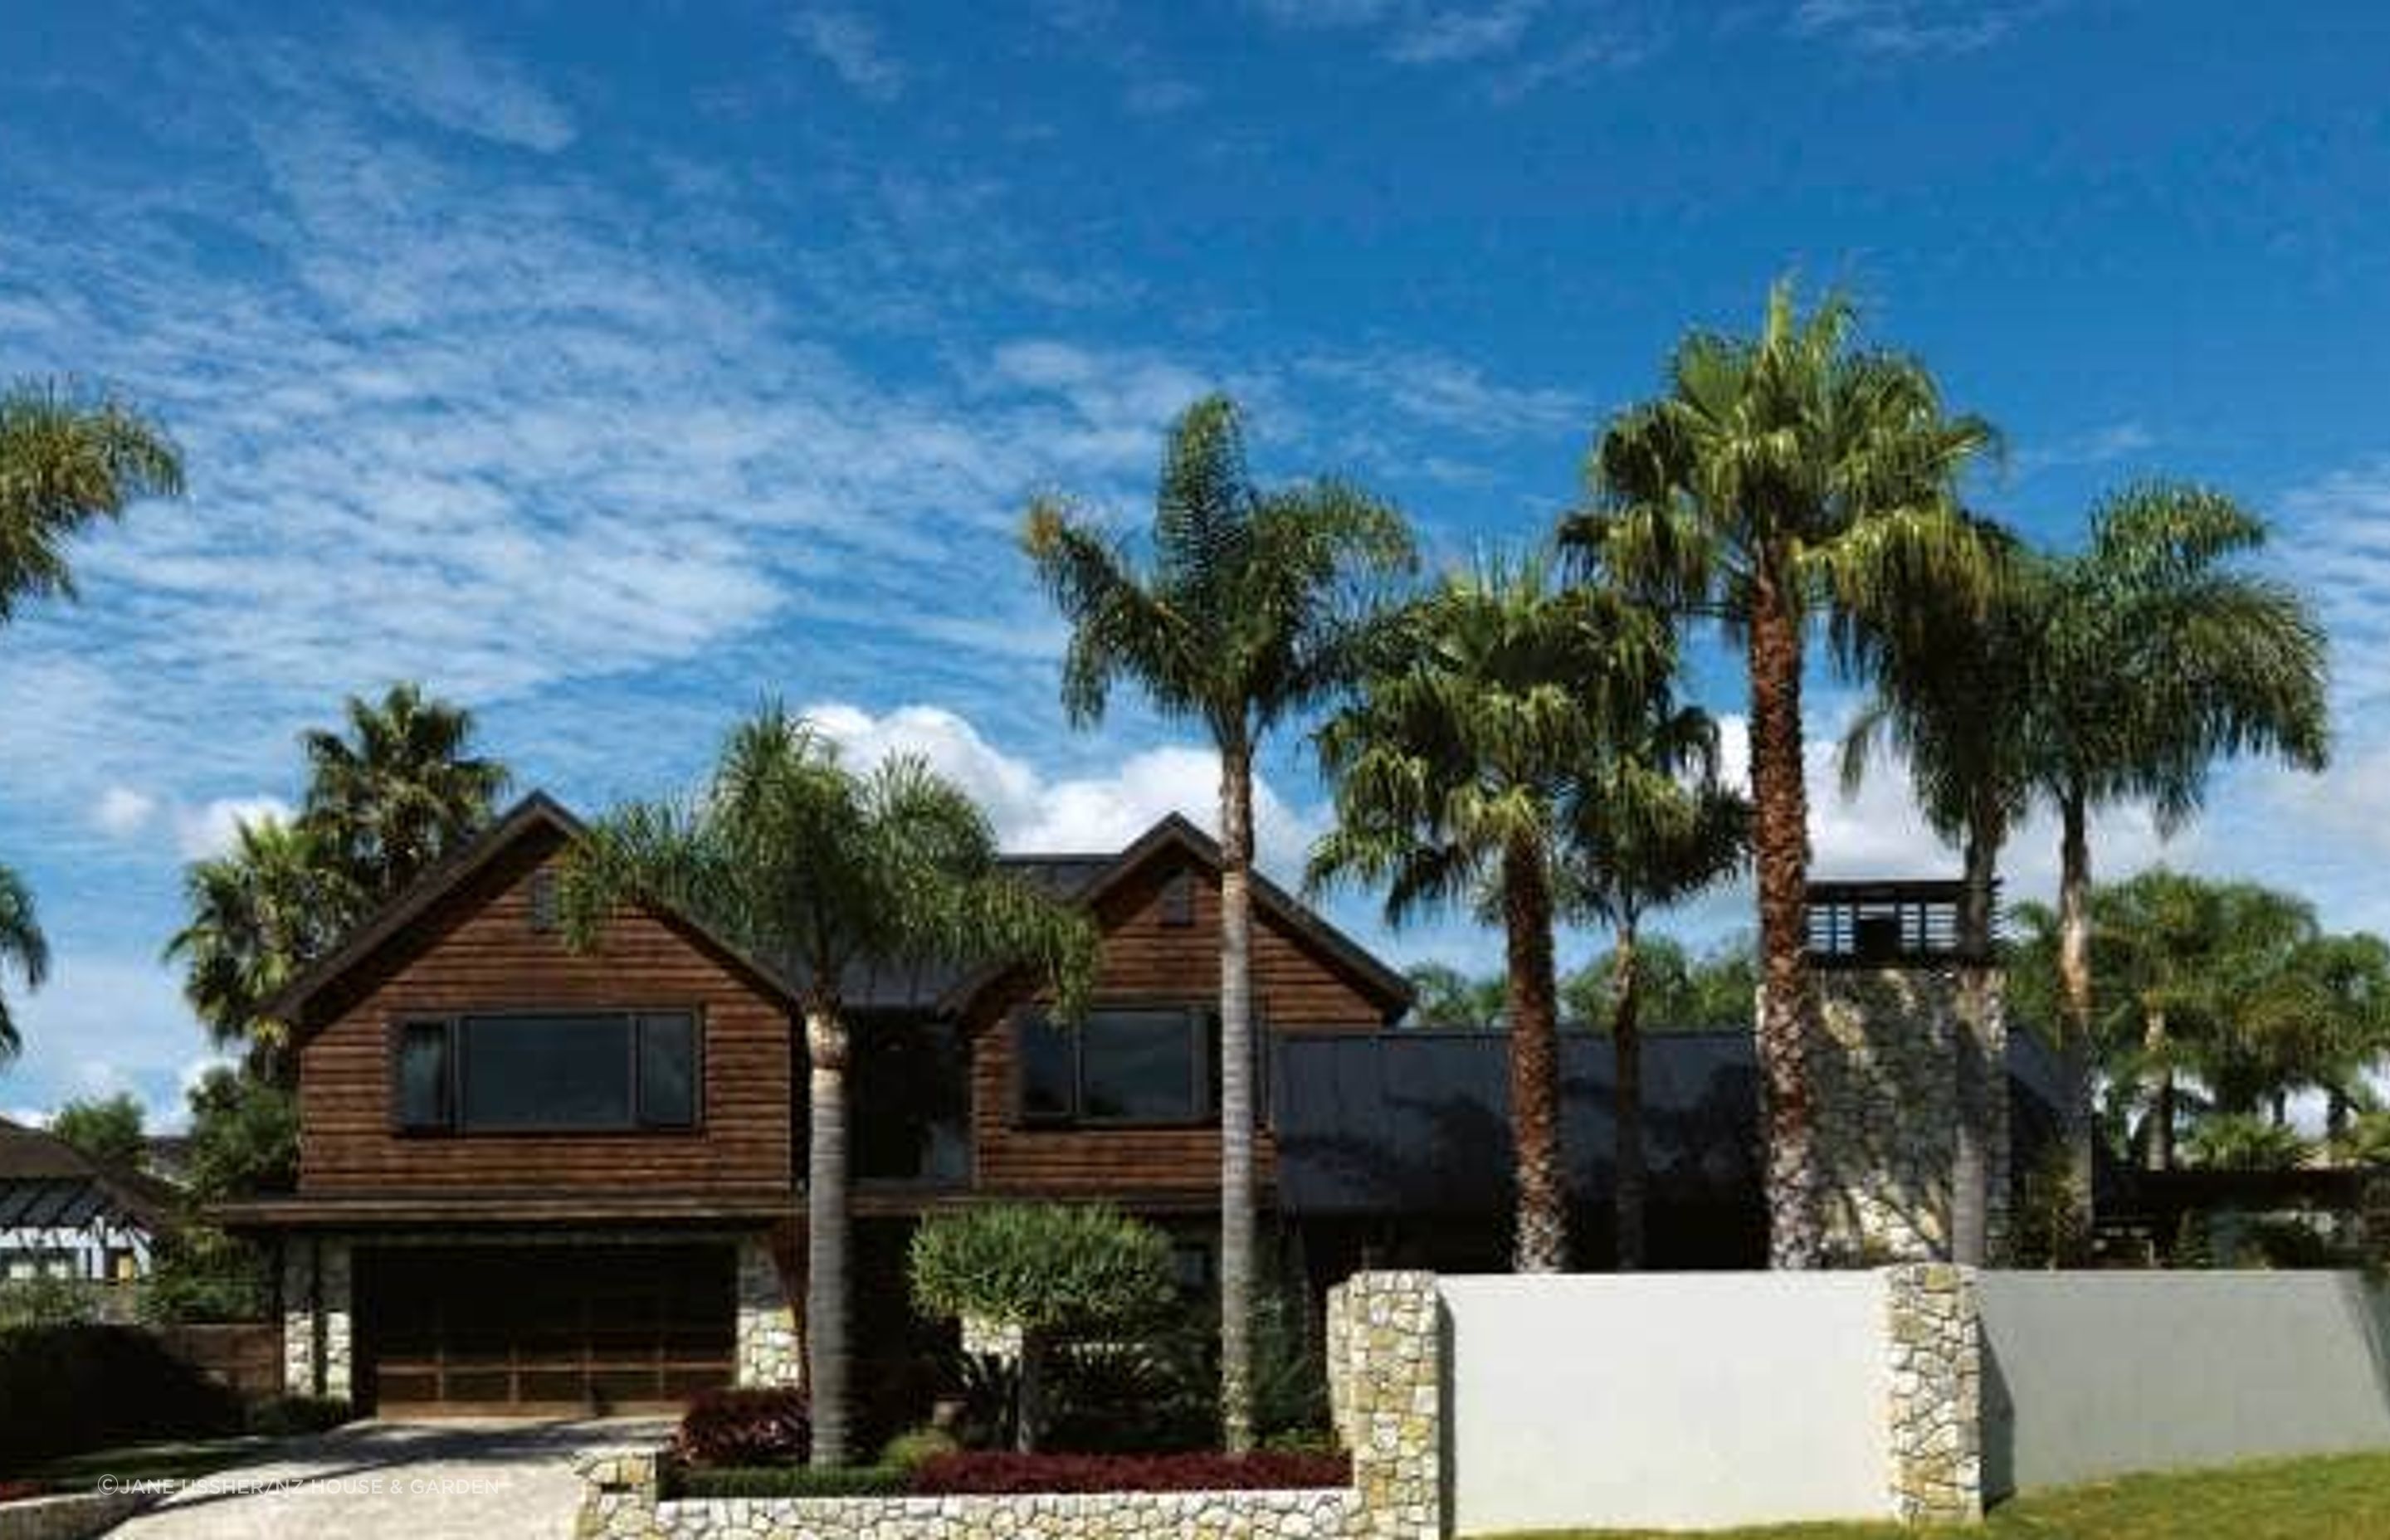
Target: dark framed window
{"x":525,"y":1071}
{"x":1125,"y":1066}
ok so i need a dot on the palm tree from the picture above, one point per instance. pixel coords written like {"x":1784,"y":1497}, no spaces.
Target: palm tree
{"x":1953,"y":677}
{"x":1651,"y":827}
{"x":68,"y":458}
{"x":399,"y":790}
{"x":21,"y":943}
{"x":1457,"y":769}
{"x":1779,"y":478}
{"x":259,"y":913}
{"x":2158,"y":657}
{"x":802,"y":863}
{"x":1246,"y":613}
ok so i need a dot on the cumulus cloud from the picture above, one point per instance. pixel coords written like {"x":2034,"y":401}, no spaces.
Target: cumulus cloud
{"x":1034,"y":812}
{"x":210,"y":829}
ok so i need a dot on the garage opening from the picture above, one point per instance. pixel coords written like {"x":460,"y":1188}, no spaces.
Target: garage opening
{"x":531,"y":1330}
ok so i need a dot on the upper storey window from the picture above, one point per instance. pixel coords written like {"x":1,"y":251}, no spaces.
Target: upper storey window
{"x":547,"y":1071}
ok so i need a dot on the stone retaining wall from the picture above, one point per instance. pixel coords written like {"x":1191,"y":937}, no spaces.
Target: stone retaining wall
{"x":1934,"y":1331}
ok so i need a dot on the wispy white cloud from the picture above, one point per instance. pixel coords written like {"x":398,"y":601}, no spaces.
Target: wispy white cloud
{"x":210,"y":829}
{"x":1459,"y":33}
{"x":121,"y":810}
{"x":1904,"y":28}
{"x":850,"y":43}
{"x":2109,"y":444}
{"x":434,"y":71}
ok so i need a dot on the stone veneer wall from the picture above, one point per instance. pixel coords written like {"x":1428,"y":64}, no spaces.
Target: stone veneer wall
{"x":316,"y":1328}
{"x":1886,"y":1077}
{"x":70,"y":1516}
{"x":1385,"y":1378}
{"x":1935,"y":1332}
{"x":770,"y":1352}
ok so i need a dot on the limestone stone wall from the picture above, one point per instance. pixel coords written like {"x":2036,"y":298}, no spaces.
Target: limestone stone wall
{"x":315,"y":1329}
{"x":1886,"y":1077}
{"x":769,"y":1349}
{"x":1933,"y":1333}
{"x":70,"y":1516}
{"x":1385,"y":1378}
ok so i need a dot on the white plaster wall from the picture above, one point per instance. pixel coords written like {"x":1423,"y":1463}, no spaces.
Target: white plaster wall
{"x":1684,"y":1399}
{"x":2095,"y":1374}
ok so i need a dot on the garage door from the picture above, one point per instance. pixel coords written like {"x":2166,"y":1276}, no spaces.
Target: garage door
{"x":543,"y":1330}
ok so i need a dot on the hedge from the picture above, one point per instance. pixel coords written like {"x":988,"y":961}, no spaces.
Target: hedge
{"x":67,"y":1389}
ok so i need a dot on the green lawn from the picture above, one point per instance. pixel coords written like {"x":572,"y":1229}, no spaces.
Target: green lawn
{"x":2343,"y":1497}
{"x":143,"y":1462}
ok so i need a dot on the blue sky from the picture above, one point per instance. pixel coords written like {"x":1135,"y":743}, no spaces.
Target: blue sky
{"x":607,"y":369}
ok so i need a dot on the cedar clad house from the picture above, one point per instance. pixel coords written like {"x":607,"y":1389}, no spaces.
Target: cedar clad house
{"x":538,"y":1179}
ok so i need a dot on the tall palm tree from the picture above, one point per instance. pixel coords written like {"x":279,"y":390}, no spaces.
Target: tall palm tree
{"x":68,"y":458}
{"x":1457,"y":768}
{"x":806,"y":865}
{"x":399,"y":790}
{"x":21,"y":944}
{"x":259,"y":913}
{"x":1246,"y":612}
{"x":1651,"y":826}
{"x":2160,"y":656}
{"x":1953,"y":679}
{"x":1780,"y":477}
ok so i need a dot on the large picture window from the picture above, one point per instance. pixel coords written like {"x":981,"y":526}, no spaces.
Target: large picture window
{"x":1125,"y":1066}
{"x":547,"y":1071}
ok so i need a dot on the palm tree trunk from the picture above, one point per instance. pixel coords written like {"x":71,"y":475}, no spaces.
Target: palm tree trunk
{"x":1236,"y":1098}
{"x":1029,"y":1397}
{"x":1780,"y":843}
{"x":1979,"y":1078}
{"x":1541,"y":1242}
{"x":825,"y":1325}
{"x":2160,"y":1147}
{"x":1626,"y":1114}
{"x":2074,"y":989}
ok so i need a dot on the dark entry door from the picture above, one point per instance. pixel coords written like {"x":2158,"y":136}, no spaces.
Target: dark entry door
{"x":543,"y":1329}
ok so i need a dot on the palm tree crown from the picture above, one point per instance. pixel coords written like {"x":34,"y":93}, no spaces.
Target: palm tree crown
{"x":67,"y":458}
{"x":259,"y":913}
{"x":399,"y":790}
{"x":22,"y":944}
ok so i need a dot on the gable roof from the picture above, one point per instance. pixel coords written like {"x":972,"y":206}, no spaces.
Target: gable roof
{"x":1085,"y":880}
{"x":1080,"y":877}
{"x":46,"y":1183}
{"x":536,"y":813}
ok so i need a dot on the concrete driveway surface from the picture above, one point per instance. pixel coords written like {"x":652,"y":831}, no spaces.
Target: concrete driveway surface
{"x":398,"y":1481}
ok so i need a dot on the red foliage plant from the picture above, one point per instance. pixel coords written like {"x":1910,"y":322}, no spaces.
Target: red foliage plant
{"x":772,"y":1426}
{"x":11,"y":1492}
{"x":991,"y":1471}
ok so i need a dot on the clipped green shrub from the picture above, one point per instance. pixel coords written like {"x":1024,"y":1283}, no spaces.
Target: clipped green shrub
{"x":66,"y":1389}
{"x":911,"y":1447}
{"x":34,"y":1305}
{"x":1051,"y":1271}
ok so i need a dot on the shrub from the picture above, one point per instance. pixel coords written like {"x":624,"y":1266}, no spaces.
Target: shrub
{"x":787,"y":1481}
{"x":203,"y":1274}
{"x":2240,"y":1141}
{"x":34,"y":1305}
{"x":1045,"y":1269}
{"x":287,"y":1416}
{"x":1005,"y":1473}
{"x":909,"y":1449}
{"x":16,"y":1491}
{"x":745,"y":1426}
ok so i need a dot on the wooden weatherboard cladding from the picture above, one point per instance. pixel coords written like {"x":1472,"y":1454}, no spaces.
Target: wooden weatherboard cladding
{"x":483,"y":949}
{"x":1159,"y":944}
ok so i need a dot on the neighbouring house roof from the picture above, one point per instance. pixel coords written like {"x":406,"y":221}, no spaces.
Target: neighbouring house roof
{"x":1082,"y":878}
{"x":45,"y":1182}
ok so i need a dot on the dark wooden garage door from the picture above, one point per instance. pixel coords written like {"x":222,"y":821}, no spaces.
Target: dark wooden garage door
{"x":542,"y":1330}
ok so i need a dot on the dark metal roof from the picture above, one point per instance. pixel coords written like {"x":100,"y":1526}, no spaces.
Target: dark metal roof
{"x":1416,"y":1122}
